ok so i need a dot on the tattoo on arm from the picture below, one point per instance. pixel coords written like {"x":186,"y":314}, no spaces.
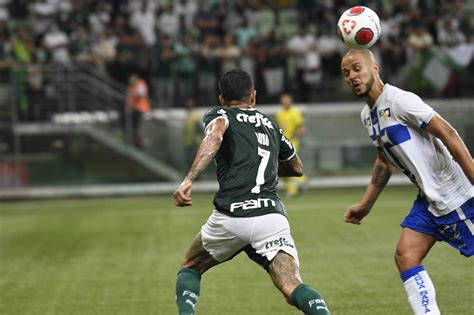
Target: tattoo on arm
{"x":208,"y":149}
{"x":292,"y":167}
{"x":380,"y":176}
{"x":382,"y":170}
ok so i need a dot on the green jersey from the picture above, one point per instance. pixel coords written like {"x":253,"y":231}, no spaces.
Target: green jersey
{"x":247,"y":162}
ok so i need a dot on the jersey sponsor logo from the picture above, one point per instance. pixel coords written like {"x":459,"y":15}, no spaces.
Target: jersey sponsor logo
{"x":280,"y":242}
{"x":368,"y":122}
{"x":385,"y":113}
{"x":252,"y":204}
{"x":257,"y":119}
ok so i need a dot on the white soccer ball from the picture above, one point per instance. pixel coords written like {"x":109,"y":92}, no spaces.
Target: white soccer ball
{"x":359,"y":27}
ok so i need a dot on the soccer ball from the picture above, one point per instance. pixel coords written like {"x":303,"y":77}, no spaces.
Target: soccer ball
{"x":359,"y":27}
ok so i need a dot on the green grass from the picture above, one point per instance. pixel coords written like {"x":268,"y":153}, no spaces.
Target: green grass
{"x":120,"y":256}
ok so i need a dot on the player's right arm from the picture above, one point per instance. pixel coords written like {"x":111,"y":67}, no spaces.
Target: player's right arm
{"x":441,"y":129}
{"x":214,"y":135}
{"x":381,"y":173}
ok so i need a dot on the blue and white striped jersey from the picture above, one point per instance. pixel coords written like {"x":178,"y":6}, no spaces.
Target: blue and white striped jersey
{"x":396,"y":124}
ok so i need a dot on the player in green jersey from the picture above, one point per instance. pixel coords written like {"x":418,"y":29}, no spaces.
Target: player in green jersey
{"x":250,"y":152}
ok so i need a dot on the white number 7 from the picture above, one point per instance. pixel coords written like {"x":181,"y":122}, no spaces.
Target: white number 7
{"x":261,"y":169}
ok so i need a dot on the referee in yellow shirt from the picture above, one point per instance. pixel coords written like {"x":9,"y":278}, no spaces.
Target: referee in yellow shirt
{"x":291,"y":121}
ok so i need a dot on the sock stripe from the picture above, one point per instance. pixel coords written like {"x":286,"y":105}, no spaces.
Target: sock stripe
{"x":407,"y":274}
{"x":190,"y":270}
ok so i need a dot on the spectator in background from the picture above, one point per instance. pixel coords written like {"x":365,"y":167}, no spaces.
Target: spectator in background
{"x":187,"y":10}
{"x":78,"y":16}
{"x":272,"y":59}
{"x":57,"y":44}
{"x":290,"y":120}
{"x":229,"y":53}
{"x":23,"y":52}
{"x":392,"y":46}
{"x":164,"y":77}
{"x":143,"y":21}
{"x":138,"y":103}
{"x":330,"y":48}
{"x":302,"y":46}
{"x":168,"y":22}
{"x":43,"y":15}
{"x":453,"y":43}
{"x":80,"y":46}
{"x":105,"y":48}
{"x":99,"y":18}
{"x":249,"y":57}
{"x":206,"y":20}
{"x":449,"y":34}
{"x":419,"y":39}
{"x":235,"y":18}
{"x":244,"y":32}
{"x":208,"y":68}
{"x":265,"y":19}
{"x":418,"y":43}
{"x":193,"y":131}
{"x":185,"y":67}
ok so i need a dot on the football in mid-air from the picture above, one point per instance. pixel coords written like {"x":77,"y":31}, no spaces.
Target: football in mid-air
{"x":359,"y":27}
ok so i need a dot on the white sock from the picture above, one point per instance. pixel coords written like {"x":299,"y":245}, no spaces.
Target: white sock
{"x":421,"y":292}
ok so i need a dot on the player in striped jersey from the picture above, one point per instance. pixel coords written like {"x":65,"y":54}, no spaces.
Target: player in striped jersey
{"x":412,"y":137}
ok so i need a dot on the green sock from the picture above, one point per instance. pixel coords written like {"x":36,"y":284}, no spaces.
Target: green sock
{"x":308,"y":300}
{"x":188,"y":285}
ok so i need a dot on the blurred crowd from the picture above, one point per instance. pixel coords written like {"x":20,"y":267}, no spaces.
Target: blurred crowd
{"x":181,"y":47}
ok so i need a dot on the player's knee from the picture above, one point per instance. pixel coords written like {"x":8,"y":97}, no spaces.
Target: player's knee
{"x":405,"y":259}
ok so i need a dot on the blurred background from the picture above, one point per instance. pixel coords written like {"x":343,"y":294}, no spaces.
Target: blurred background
{"x":106,"y":97}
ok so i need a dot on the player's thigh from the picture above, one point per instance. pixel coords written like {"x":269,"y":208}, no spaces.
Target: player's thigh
{"x":197,"y":257}
{"x":412,"y":248}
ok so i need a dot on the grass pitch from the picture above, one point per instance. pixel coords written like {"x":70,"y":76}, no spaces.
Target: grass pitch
{"x":120,"y":256}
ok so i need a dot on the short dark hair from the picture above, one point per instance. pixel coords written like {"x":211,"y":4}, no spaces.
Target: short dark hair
{"x":236,"y":85}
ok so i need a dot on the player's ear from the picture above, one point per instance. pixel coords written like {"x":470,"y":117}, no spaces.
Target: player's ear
{"x":221,"y":100}
{"x":253,"y":98}
{"x":376,"y":68}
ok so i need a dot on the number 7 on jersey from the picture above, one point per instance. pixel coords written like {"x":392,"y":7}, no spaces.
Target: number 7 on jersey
{"x":260,"y":180}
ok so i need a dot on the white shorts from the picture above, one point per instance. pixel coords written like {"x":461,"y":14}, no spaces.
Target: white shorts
{"x":261,"y":237}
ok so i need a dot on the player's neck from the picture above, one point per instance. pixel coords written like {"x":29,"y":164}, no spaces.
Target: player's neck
{"x":238,"y":105}
{"x":374,"y":93}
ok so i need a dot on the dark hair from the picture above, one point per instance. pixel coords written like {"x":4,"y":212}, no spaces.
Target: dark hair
{"x":235,"y":85}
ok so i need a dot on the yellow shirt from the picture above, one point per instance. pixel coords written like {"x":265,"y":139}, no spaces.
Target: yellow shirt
{"x":192,"y":131}
{"x":289,"y":121}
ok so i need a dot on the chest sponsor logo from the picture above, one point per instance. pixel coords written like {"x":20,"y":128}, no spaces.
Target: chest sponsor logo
{"x":257,"y":120}
{"x":280,"y":242}
{"x":252,"y":204}
{"x":385,"y":113}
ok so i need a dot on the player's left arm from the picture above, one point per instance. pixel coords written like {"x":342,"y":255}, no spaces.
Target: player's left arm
{"x":291,"y":168}
{"x":442,"y":130}
{"x":214,"y":135}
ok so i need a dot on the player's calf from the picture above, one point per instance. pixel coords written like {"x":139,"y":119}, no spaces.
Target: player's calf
{"x":188,"y":282}
{"x":284,"y":272}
